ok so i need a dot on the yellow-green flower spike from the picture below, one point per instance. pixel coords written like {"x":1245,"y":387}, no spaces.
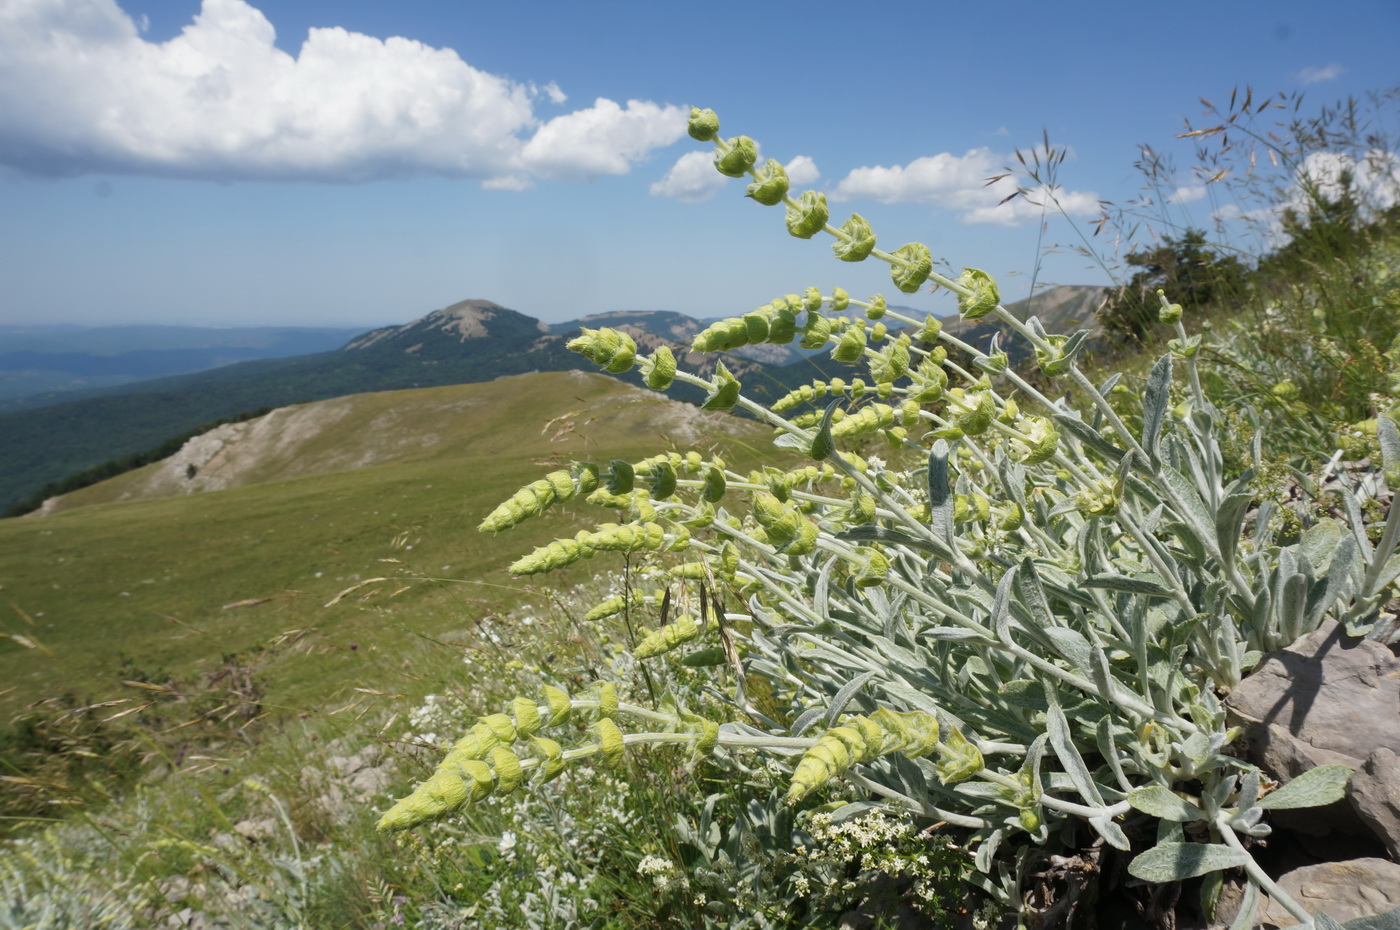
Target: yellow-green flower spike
{"x":771,"y":185}
{"x":608,"y":608}
{"x":536,"y":497}
{"x":807,"y":218}
{"x":913,"y":266}
{"x":740,"y":156}
{"x":867,"y":419}
{"x":981,"y":297}
{"x":610,"y":741}
{"x":661,"y":369}
{"x":703,"y":125}
{"x":857,"y":240}
{"x":613,"y":351}
{"x":668,"y":637}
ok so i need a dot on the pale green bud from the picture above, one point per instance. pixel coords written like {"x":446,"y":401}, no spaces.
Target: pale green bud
{"x":815,"y":332}
{"x":851,"y":345}
{"x":661,"y":370}
{"x":877,"y":308}
{"x":809,"y":216}
{"x":811,"y":300}
{"x":621,"y":477}
{"x":551,"y":756}
{"x":977,"y":415}
{"x":506,"y":765}
{"x":892,"y":364}
{"x":958,"y":759}
{"x":980,"y":295}
{"x":857,"y":240}
{"x":840,"y":300}
{"x":913,"y":265}
{"x":771,"y":186}
{"x":725,"y":393}
{"x":663,"y":480}
{"x":704,"y":124}
{"x":610,"y":741}
{"x":714,"y":487}
{"x":527,"y":717}
{"x":873,"y":570}
{"x":560,"y":707}
{"x":1169,"y":312}
{"x":740,"y":156}
{"x":1045,"y":439}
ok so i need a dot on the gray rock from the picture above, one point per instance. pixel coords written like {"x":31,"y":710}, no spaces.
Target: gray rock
{"x":1375,"y":795}
{"x":1325,"y":699}
{"x":1345,"y":890}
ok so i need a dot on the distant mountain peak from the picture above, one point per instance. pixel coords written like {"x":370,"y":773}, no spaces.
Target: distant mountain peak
{"x":466,"y":319}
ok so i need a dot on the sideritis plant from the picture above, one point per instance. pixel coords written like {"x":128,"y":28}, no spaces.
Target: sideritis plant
{"x":1018,"y":621}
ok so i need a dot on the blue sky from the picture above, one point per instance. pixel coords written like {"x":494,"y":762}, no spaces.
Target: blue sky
{"x":360,"y":163}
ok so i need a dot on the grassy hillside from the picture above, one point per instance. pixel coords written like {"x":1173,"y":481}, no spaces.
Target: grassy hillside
{"x":159,"y":579}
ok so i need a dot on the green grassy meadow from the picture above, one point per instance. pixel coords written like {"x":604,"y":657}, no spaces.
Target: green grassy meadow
{"x":159,"y":580}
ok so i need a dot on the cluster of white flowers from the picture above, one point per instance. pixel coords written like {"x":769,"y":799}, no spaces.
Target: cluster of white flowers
{"x":665,"y":875}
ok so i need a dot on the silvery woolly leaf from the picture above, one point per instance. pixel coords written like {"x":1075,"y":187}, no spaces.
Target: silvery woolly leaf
{"x":987,"y":849}
{"x":1158,"y":801}
{"x":1062,"y":742}
{"x":1111,"y":832}
{"x":1244,"y":918}
{"x":1070,"y":644}
{"x":1390,"y":920}
{"x":1196,"y":748}
{"x":1314,"y":788}
{"x":844,"y":696}
{"x":1154,"y":405}
{"x":1174,"y":862}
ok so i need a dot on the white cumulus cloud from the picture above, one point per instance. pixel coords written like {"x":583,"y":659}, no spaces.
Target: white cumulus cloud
{"x":82,"y":91}
{"x":959,"y":183}
{"x":1320,"y":75}
{"x":802,"y":171}
{"x":603,"y":139}
{"x":1188,"y":194}
{"x":692,"y":178}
